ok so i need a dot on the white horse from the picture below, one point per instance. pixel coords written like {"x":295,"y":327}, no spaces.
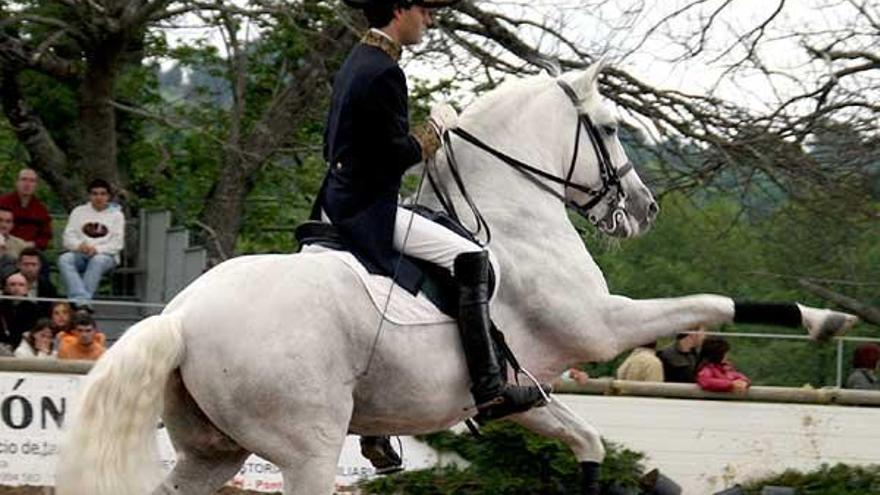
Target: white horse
{"x":267,"y":354}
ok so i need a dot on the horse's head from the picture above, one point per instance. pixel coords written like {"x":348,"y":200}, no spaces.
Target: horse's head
{"x":604,"y":186}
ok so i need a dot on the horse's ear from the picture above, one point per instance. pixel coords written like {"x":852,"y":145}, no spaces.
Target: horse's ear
{"x":588,"y":81}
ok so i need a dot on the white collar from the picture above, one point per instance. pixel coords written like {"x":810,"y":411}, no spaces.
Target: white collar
{"x":383,"y":34}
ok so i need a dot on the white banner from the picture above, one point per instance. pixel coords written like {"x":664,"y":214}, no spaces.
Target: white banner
{"x":703,"y":445}
{"x":32,"y":409}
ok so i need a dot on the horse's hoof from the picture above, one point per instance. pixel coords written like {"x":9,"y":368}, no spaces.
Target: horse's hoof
{"x":824,"y":324}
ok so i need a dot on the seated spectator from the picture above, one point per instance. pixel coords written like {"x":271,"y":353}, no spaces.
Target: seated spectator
{"x":30,"y":265}
{"x":642,"y":365}
{"x":84,"y":342}
{"x":61,"y":316}
{"x":38,"y":342}
{"x":31,"y":218}
{"x":681,"y":358}
{"x":14,"y":245}
{"x":716,"y":373}
{"x":864,"y":363}
{"x":94,"y":236}
{"x":16,"y":316}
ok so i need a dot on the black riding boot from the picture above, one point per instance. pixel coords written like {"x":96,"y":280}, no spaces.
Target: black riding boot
{"x":495,"y":398}
{"x":381,"y":454}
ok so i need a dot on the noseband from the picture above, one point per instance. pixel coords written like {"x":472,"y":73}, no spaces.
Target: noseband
{"x":609,"y":176}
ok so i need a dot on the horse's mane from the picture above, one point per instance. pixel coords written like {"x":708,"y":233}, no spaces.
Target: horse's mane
{"x":506,"y":92}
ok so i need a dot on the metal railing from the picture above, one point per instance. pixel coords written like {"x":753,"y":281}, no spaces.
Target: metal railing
{"x":839,"y":342}
{"x":93,"y":302}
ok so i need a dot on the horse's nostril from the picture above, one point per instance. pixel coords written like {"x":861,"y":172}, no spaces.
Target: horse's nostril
{"x":653,"y":209}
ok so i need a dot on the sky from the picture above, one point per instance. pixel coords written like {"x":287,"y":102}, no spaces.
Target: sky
{"x":631,"y":34}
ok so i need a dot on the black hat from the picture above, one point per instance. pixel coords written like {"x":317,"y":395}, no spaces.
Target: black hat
{"x":431,"y":4}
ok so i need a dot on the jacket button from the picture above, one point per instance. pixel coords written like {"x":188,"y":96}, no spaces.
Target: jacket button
{"x":338,"y":165}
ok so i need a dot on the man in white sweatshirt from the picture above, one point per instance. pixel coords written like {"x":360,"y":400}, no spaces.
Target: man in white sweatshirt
{"x":93,"y":238}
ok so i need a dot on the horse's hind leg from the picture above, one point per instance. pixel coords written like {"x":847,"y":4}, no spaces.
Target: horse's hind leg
{"x":206,"y":457}
{"x":195,"y":474}
{"x":556,"y":420}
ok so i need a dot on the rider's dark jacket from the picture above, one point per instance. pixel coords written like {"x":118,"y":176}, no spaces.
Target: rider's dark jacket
{"x":368,"y":147}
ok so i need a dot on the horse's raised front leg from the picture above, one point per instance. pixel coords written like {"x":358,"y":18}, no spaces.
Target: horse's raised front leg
{"x":636,"y":322}
{"x":556,"y":420}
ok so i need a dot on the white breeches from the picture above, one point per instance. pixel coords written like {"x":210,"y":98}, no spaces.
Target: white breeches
{"x":416,"y":236}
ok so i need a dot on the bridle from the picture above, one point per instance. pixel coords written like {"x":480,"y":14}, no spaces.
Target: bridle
{"x":609,"y":176}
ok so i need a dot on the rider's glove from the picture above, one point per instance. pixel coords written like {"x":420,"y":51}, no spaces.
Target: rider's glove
{"x":443,"y":117}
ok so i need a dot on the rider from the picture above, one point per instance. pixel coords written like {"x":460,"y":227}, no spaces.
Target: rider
{"x":369,"y":146}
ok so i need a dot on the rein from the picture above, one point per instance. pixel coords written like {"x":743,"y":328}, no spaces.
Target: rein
{"x":609,"y":176}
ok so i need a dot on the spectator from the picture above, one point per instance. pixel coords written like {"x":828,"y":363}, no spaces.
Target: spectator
{"x":85,"y":342}
{"x":38,"y":342}
{"x":716,"y":373}
{"x":61,"y":316}
{"x":94,"y":236}
{"x":681,"y":358}
{"x":864,"y":375}
{"x":7,"y":262}
{"x":30,"y":265}
{"x":14,"y":245}
{"x":16,"y":316}
{"x":642,"y":365}
{"x":32,"y":221}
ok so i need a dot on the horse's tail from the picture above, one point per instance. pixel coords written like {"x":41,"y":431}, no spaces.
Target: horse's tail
{"x":110,"y":444}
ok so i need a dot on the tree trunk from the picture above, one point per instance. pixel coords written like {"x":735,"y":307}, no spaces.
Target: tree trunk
{"x":46,"y":157}
{"x":224,"y":207}
{"x":224,"y":210}
{"x":97,"y":147}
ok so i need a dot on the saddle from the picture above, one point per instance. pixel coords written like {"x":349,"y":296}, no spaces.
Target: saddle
{"x":436,"y":283}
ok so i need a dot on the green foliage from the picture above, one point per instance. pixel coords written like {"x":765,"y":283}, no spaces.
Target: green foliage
{"x":707,"y":247}
{"x":827,"y":480}
{"x":508,"y":460}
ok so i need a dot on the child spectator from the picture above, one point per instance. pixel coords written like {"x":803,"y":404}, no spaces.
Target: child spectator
{"x":93,"y":237}
{"x":716,"y":373}
{"x":38,"y":343}
{"x":642,"y":365}
{"x":864,"y":375}
{"x":85,"y":342}
{"x":16,"y":316}
{"x":61,"y":316}
{"x":32,"y":220}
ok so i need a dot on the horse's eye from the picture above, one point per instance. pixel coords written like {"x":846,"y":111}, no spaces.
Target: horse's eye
{"x":609,"y":130}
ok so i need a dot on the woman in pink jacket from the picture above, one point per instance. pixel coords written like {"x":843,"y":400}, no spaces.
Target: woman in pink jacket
{"x":717,"y":374}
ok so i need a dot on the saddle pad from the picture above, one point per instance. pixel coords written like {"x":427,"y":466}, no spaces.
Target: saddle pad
{"x":402,"y":308}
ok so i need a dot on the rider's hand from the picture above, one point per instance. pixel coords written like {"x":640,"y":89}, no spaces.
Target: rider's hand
{"x":443,"y":117}
{"x":740,"y":386}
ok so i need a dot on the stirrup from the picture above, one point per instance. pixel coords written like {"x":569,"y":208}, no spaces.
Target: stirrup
{"x":512,"y":399}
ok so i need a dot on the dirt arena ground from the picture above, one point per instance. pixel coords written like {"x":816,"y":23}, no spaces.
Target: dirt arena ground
{"x":38,"y":490}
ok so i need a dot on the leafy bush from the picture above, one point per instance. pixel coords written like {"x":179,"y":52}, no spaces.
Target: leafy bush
{"x":508,"y":460}
{"x":827,"y":480}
